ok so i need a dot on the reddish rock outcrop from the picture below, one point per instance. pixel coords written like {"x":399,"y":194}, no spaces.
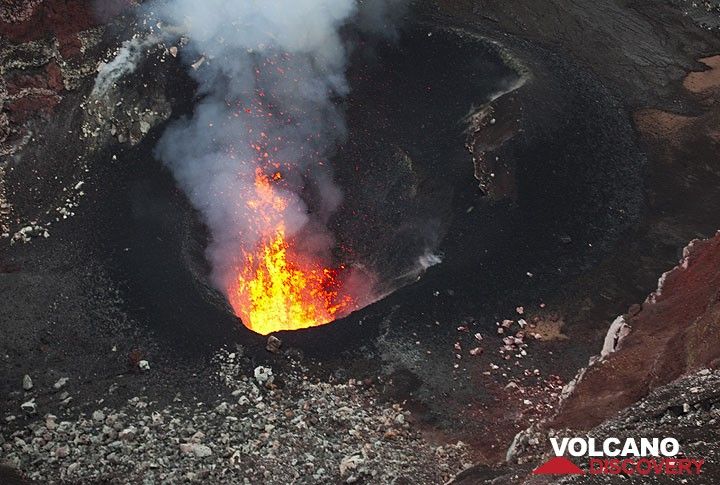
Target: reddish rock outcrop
{"x":676,"y":332}
{"x":63,"y":19}
{"x":45,"y":52}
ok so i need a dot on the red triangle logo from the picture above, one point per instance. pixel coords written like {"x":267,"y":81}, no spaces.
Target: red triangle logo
{"x":558,"y":466}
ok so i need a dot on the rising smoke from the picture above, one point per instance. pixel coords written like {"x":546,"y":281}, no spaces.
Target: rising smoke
{"x":270,"y":75}
{"x":125,"y":62}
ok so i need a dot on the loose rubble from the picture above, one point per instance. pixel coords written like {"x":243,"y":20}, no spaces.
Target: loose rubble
{"x":295,"y":431}
{"x":273,"y":344}
{"x":60,"y":383}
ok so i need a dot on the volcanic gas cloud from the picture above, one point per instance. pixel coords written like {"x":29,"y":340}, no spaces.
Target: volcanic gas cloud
{"x":253,"y":158}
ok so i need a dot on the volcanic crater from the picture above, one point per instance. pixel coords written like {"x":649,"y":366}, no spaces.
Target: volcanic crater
{"x":411,"y":198}
{"x":500,"y":192}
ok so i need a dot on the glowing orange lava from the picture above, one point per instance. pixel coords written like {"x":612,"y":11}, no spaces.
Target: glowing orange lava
{"x":276,"y":287}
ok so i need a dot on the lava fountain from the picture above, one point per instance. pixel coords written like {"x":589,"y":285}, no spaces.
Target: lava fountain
{"x":278,"y":283}
{"x":277,"y":287}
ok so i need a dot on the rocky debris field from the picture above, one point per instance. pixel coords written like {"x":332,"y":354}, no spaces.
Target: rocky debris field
{"x":687,"y":409}
{"x":264,"y":429}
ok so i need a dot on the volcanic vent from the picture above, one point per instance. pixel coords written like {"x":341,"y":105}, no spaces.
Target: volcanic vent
{"x":255,"y":147}
{"x":283,"y":275}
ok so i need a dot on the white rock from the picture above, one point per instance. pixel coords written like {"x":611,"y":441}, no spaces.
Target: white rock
{"x":264,"y":375}
{"x":27,"y":382}
{"x":128,"y":434}
{"x":196,"y":65}
{"x":50,"y":423}
{"x":349,"y":464}
{"x":144,"y":365}
{"x":29,"y":406}
{"x":200,"y":451}
{"x":98,"y":416}
{"x":60,"y":383}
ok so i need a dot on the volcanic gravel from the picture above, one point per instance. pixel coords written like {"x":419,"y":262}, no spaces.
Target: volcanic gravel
{"x":688,"y":409}
{"x":280,"y":429}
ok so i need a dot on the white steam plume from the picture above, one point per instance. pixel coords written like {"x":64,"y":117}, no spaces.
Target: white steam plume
{"x":125,"y":62}
{"x":272,"y":71}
